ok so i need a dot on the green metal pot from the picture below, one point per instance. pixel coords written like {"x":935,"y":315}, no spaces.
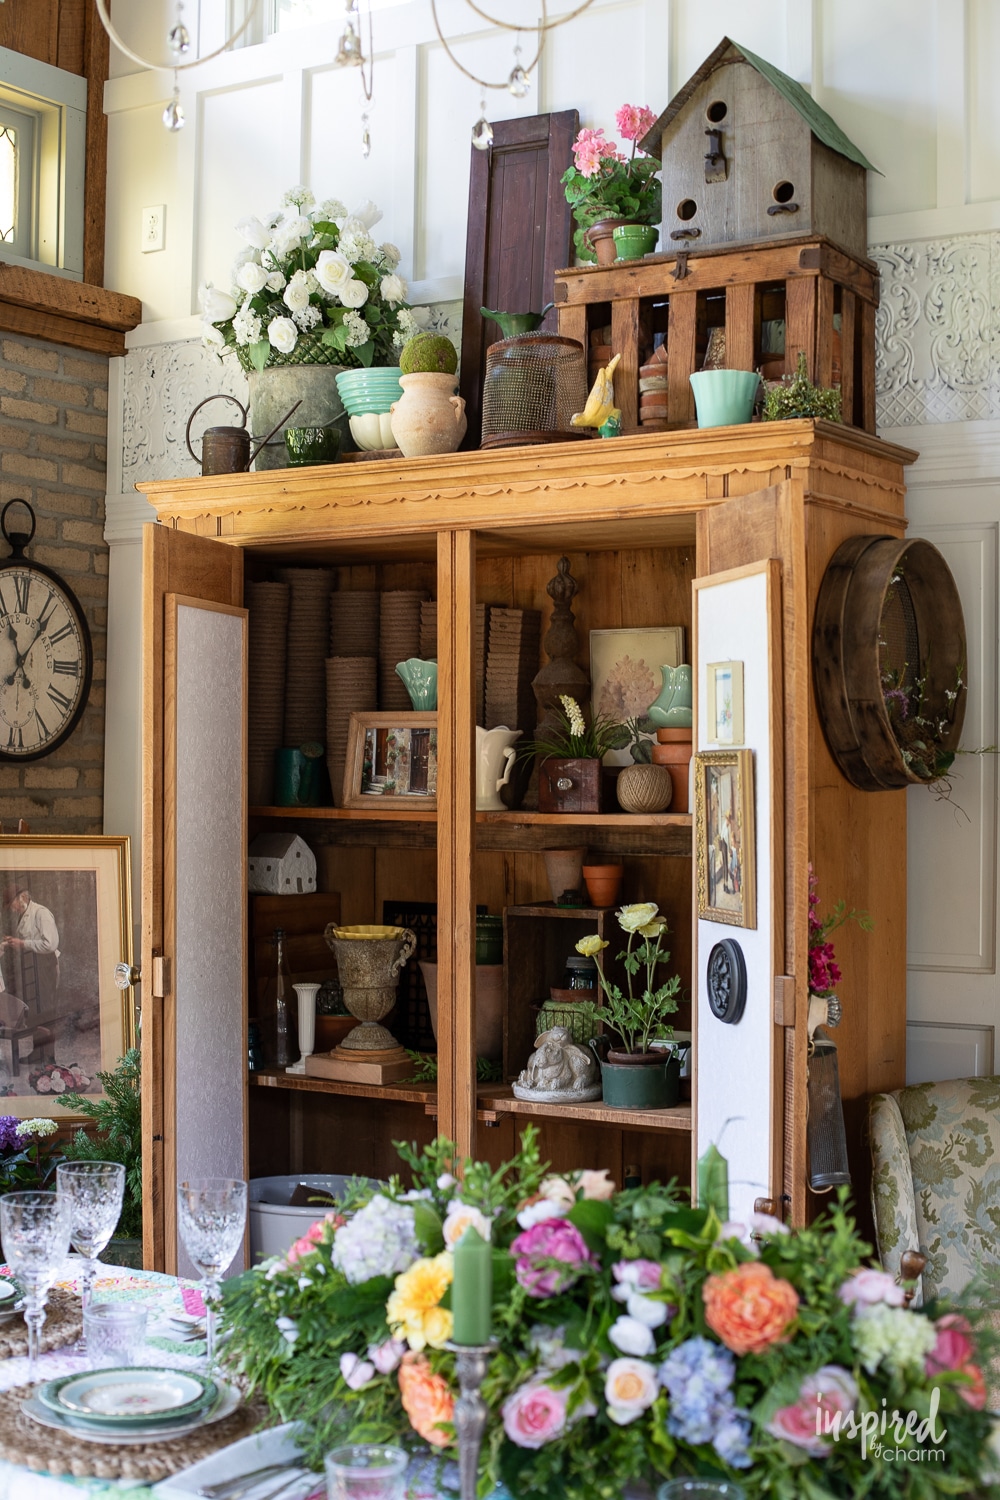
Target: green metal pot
{"x":653,"y":1083}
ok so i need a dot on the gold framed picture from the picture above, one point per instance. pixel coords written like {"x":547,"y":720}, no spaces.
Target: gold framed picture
{"x":725,"y":845}
{"x":65,"y":923}
{"x":391,"y":758}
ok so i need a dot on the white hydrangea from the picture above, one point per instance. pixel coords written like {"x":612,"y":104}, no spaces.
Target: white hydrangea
{"x":247,"y":325}
{"x":307,"y":317}
{"x":332,"y":211}
{"x":389,"y":255}
{"x":300,"y":196}
{"x":282,"y":335}
{"x":892,"y":1336}
{"x":356,"y":244}
{"x":380,"y":1240}
{"x":39,"y":1126}
{"x":408,"y":324}
{"x":358,"y":331}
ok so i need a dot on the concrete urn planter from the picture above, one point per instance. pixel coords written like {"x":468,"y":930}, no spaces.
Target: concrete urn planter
{"x":429,"y":417}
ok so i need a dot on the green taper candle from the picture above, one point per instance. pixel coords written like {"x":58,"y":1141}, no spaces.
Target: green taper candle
{"x":713,"y":1182}
{"x":472,"y":1289}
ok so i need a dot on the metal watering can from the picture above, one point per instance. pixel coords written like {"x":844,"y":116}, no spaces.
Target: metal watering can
{"x":227,"y":450}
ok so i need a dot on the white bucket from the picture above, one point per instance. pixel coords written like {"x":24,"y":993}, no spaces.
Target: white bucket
{"x":274,"y":1224}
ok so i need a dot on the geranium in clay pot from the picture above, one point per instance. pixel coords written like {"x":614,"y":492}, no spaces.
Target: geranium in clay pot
{"x":607,"y":190}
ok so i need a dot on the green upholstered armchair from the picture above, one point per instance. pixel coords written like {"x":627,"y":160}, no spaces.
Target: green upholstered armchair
{"x":936,"y":1179}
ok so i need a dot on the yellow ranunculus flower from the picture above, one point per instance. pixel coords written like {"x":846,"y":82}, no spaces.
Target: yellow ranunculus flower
{"x":413,"y":1310}
{"x":591,"y":945}
{"x":653,"y":929}
{"x":633,"y":918}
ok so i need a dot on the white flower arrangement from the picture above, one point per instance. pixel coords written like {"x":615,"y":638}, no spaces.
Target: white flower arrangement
{"x":313,"y":272}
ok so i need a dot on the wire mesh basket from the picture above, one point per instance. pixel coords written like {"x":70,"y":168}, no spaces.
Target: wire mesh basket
{"x":534,"y":384}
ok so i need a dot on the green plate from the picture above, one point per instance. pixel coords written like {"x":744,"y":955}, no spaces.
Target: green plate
{"x":139,"y":1395}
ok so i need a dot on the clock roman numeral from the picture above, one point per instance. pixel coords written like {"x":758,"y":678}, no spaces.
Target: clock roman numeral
{"x":67,"y":668}
{"x":46,"y":612}
{"x":60,"y":635}
{"x":43,"y":729}
{"x":22,"y":588}
{"x":15,"y":740}
{"x":59,"y":699}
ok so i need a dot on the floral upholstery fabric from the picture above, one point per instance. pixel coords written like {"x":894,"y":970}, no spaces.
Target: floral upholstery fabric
{"x":936,"y":1179}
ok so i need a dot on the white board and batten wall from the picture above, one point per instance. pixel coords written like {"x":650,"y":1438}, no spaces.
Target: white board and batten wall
{"x":912,"y":82}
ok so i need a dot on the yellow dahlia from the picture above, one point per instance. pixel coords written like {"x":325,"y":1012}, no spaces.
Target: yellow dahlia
{"x":413,"y":1309}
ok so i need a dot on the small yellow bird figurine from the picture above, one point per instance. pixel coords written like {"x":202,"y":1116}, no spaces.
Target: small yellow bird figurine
{"x":601,"y":401}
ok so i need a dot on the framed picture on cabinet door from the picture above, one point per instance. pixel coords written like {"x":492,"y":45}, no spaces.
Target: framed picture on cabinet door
{"x":65,"y":924}
{"x":392,"y":759}
{"x":725,"y":846}
{"x":724,"y":700}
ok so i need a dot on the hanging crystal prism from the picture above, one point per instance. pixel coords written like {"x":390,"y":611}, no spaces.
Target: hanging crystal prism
{"x":366,"y":139}
{"x":482,"y":131}
{"x":179,"y":39}
{"x":173,"y":115}
{"x":518,"y":83}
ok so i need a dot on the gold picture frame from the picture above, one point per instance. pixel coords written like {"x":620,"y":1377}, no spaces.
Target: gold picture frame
{"x":65,"y":924}
{"x":725,"y":842}
{"x":395,"y":753}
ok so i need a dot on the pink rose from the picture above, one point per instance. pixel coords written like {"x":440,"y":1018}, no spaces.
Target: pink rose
{"x":954,"y":1347}
{"x":829,"y":1393}
{"x":534,"y":1414}
{"x":866,"y":1288}
{"x":634,"y":121}
{"x":596,"y":1185}
{"x":386,"y":1356}
{"x":554,"y":1240}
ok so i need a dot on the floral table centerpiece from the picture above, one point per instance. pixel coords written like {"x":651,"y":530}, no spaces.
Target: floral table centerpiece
{"x":312,"y":289}
{"x":636,"y":1337}
{"x":604,"y":188}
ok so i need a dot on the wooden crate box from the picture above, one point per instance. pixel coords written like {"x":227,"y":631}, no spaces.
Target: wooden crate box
{"x":826,"y":298}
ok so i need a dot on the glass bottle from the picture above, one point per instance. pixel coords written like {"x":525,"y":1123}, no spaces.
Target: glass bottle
{"x":281,"y":989}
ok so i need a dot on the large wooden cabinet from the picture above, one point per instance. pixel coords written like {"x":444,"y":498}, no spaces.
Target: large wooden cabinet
{"x":640,"y":518}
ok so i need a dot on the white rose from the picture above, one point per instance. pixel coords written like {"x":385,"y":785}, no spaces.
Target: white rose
{"x":367,"y":214}
{"x":296,"y":295}
{"x":212,"y":337}
{"x":217,"y":305}
{"x":251,"y":277}
{"x":275,"y":281}
{"x":298,"y":227}
{"x":630,"y":1388}
{"x":393,"y":289}
{"x":354,"y":294}
{"x":460,"y":1217}
{"x":631,"y":1336}
{"x":253,"y":231}
{"x":390,"y":254}
{"x":645,"y":1310}
{"x":559,"y":1191}
{"x":333,"y":271}
{"x":282,"y":335}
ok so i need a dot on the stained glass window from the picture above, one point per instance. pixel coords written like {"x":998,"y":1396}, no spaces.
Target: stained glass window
{"x":8,"y":184}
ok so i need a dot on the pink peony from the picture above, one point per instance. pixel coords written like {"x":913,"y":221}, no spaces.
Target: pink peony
{"x":554,"y":1240}
{"x":534,"y":1414}
{"x":954,"y":1347}
{"x":824,"y":1396}
{"x":868,"y":1288}
{"x":634,"y":121}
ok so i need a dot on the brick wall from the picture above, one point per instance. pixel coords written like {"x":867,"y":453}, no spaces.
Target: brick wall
{"x":53,"y":431}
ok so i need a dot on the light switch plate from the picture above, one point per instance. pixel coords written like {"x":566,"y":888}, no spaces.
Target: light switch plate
{"x":153,"y":224}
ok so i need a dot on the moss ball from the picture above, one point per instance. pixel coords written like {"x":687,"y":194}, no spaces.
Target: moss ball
{"x":428,"y":352}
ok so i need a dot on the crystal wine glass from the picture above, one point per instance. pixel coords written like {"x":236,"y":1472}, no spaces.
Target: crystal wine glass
{"x":35,"y":1229}
{"x":93,"y":1191}
{"x":211,"y":1217}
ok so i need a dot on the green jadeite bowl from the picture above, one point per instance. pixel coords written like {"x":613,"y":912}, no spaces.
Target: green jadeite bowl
{"x":724,"y":398}
{"x":364,"y":391}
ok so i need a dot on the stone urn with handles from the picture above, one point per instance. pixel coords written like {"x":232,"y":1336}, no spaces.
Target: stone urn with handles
{"x":429,"y":417}
{"x":369,"y":960}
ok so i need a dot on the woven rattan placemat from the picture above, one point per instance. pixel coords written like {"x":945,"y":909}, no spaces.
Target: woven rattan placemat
{"x":63,"y":1325}
{"x":26,"y":1442}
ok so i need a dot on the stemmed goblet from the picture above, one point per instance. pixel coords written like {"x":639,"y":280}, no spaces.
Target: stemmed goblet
{"x":211,"y":1217}
{"x":35,"y":1231}
{"x":93,"y":1192}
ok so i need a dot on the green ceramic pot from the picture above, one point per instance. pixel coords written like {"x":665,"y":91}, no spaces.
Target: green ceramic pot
{"x":312,"y":445}
{"x":650,"y":1083}
{"x":724,"y":398}
{"x":633,"y":241}
{"x":298,"y":776}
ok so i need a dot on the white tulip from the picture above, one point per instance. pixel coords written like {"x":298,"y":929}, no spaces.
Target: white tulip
{"x":212,"y":337}
{"x":217,"y":305}
{"x":253,"y":231}
{"x":282,"y":335}
{"x":367,"y":213}
{"x":393,"y":289}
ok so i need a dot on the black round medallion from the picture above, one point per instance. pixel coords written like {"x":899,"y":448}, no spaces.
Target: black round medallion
{"x":727,"y":981}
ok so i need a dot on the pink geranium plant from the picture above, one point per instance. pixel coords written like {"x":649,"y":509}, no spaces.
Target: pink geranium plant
{"x":604,"y":183}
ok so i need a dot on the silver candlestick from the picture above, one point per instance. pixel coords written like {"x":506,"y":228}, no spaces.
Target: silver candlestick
{"x":471,"y":1361}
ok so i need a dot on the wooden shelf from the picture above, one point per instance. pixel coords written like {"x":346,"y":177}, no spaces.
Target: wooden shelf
{"x":349,"y":814}
{"x":402,"y":1093}
{"x":494,"y":1100}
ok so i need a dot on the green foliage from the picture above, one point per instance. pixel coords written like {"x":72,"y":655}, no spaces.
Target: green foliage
{"x":118,"y":1136}
{"x":425,"y":1068}
{"x":631,"y":733}
{"x":573,"y":738}
{"x":798,"y":397}
{"x":619,"y":189}
{"x":638,"y":1018}
{"x":428,"y":353}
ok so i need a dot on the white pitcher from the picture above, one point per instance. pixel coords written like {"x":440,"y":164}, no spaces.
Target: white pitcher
{"x":494,"y":747}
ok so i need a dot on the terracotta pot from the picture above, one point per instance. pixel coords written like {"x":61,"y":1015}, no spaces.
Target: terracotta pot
{"x":674,"y":749}
{"x":645,"y":789}
{"x":429,"y":417}
{"x":601,"y":239}
{"x":564,"y":869}
{"x":488,"y":1006}
{"x":604,"y":883}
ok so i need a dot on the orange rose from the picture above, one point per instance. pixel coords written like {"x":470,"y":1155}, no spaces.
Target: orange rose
{"x":427,"y":1400}
{"x":749,"y":1308}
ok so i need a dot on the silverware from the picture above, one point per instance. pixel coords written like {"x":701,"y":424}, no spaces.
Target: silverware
{"x":233,"y":1489}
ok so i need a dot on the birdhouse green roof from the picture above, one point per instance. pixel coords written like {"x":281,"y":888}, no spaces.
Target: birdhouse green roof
{"x":823,"y":127}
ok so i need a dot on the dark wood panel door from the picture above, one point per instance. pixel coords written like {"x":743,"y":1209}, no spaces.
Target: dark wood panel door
{"x":519,"y":235}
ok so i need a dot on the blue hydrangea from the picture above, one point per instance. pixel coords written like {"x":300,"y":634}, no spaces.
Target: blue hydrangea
{"x":698,"y":1378}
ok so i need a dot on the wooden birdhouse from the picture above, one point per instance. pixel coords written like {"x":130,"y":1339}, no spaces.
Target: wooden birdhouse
{"x":281,"y":864}
{"x":749,"y":155}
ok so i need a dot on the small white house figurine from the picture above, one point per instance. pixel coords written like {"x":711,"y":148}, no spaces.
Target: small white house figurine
{"x":281,"y":864}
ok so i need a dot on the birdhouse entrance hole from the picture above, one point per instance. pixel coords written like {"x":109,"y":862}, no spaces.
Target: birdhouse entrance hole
{"x":717,"y":111}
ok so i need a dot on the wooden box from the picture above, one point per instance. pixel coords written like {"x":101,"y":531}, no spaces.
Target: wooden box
{"x":825,"y":298}
{"x":583,"y":794}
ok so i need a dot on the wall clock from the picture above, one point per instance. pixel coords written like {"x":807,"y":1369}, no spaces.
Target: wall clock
{"x":46,"y":658}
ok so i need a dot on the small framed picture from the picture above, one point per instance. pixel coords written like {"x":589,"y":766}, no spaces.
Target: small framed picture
{"x":626,"y":673}
{"x":725,"y":846}
{"x":724,"y":701}
{"x":65,"y":923}
{"x":392,"y":757}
